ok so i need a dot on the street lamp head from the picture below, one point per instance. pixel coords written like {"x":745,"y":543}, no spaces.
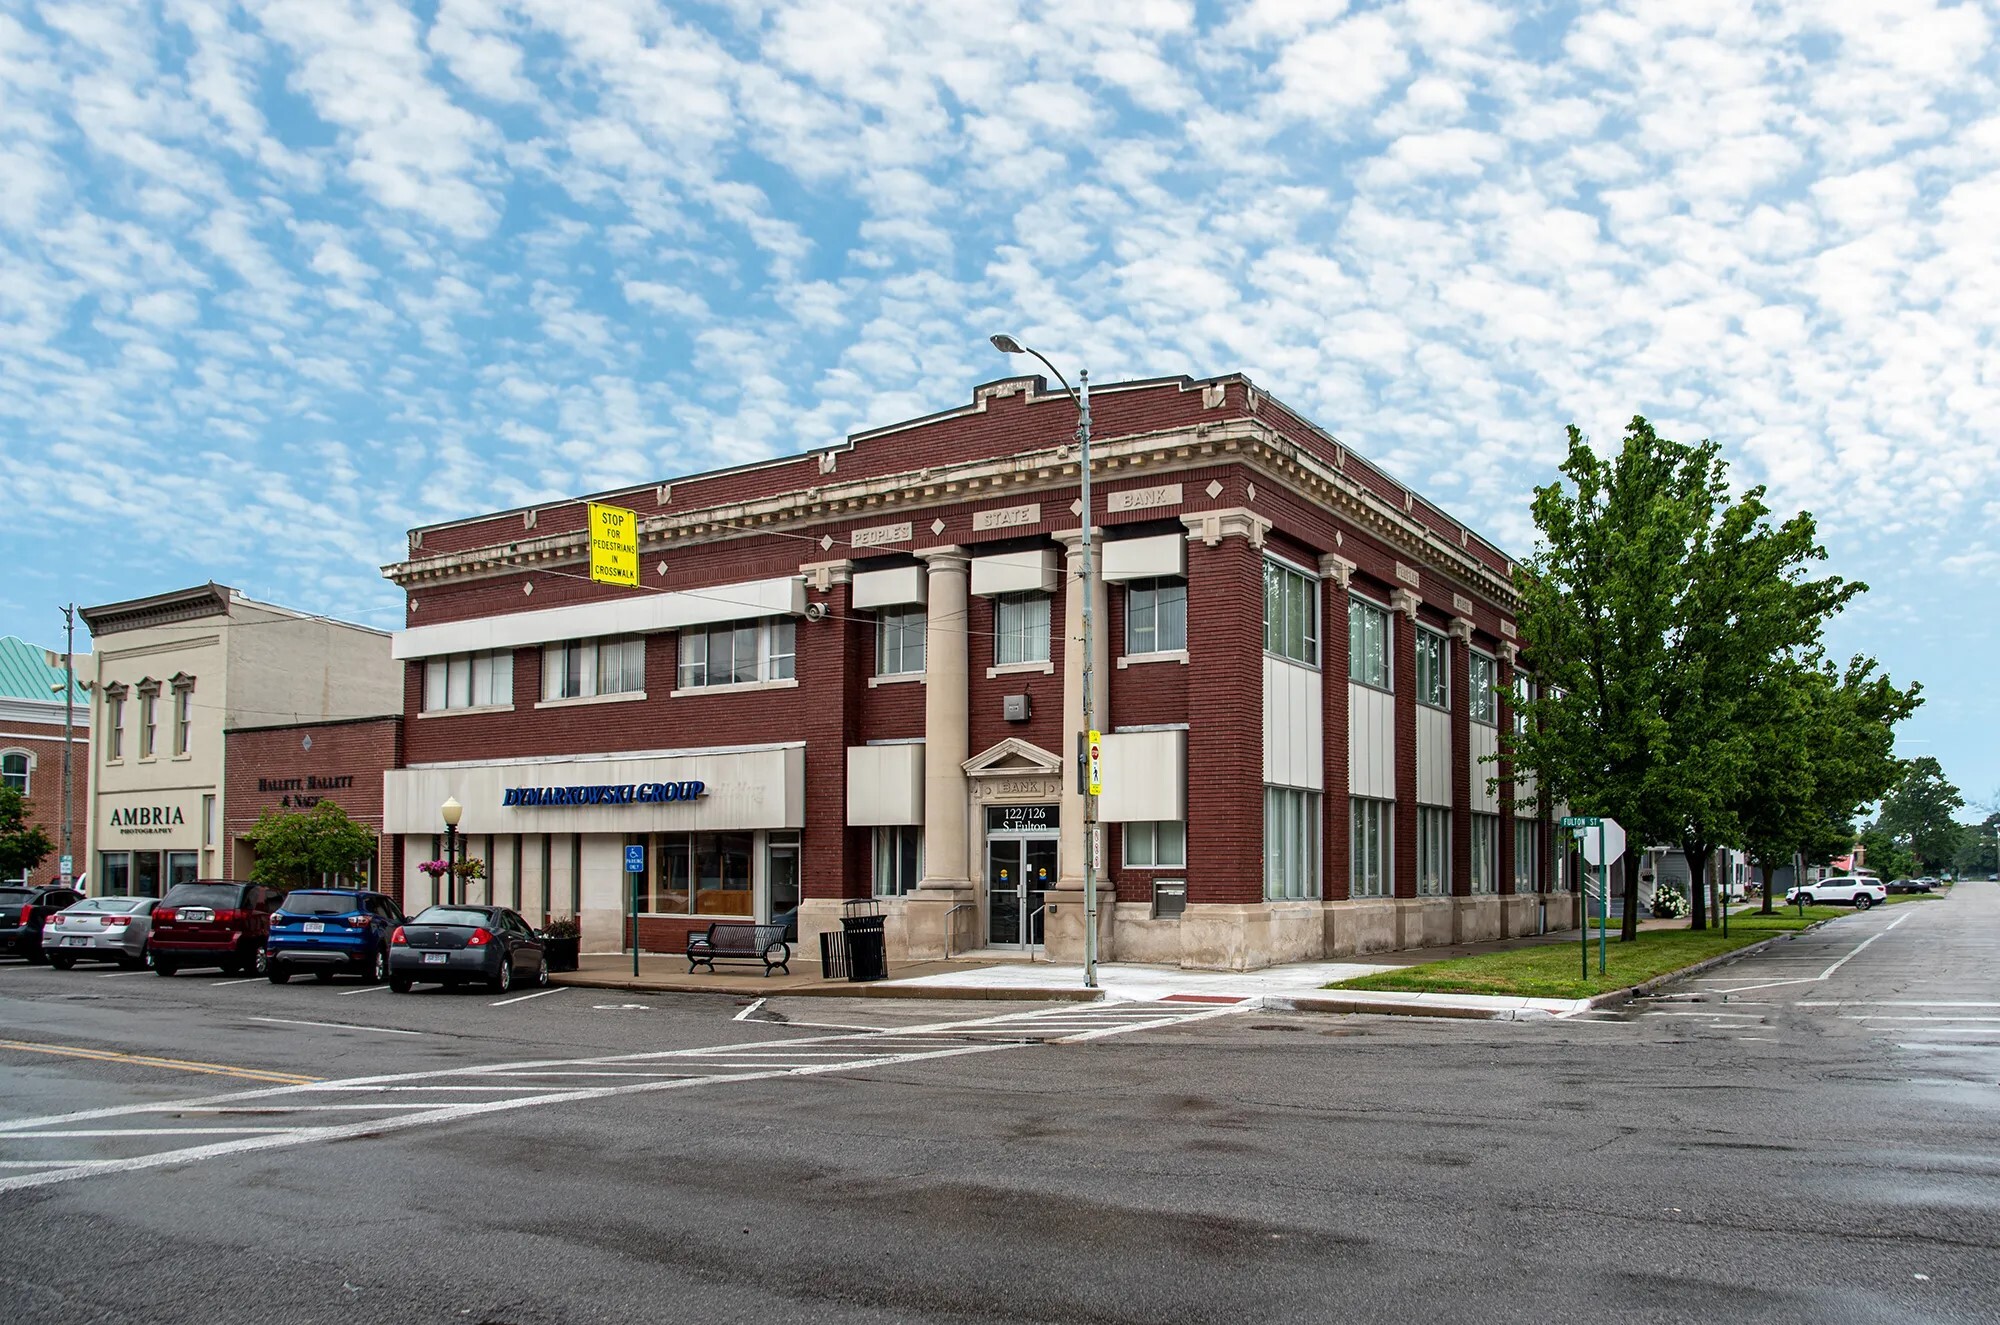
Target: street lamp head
{"x":451,"y":810}
{"x":1007,"y":344}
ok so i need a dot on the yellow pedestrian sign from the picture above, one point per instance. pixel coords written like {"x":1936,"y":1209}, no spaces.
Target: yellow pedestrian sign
{"x":614,"y":545}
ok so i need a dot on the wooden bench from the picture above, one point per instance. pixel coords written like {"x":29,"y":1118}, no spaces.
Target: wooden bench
{"x":738,"y":941}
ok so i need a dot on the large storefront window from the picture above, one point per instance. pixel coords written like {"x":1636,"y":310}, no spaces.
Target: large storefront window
{"x":1291,"y":844}
{"x":1369,"y":848}
{"x":703,"y":874}
{"x":1433,"y":851}
{"x":899,"y":860}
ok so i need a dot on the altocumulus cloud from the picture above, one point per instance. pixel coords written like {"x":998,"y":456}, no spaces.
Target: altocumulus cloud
{"x":283,"y":277}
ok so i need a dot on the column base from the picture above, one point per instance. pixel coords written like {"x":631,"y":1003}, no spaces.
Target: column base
{"x":1248,"y":936}
{"x":1062,"y":923}
{"x":1476,"y":919}
{"x":939,"y":920}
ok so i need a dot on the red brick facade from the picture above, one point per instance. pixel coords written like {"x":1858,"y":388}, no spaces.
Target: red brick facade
{"x":293,"y":768}
{"x":42,"y":743}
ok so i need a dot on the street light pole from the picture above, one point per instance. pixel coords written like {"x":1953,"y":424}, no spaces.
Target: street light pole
{"x":1081,"y":395}
{"x":451,"y":811}
{"x":69,"y":724}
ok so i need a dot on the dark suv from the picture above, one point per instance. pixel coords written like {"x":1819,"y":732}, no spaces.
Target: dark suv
{"x":23,"y":912}
{"x":212,"y":923}
{"x":328,"y":930}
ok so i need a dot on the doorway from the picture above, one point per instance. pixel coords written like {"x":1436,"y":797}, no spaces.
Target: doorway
{"x":1020,"y":871}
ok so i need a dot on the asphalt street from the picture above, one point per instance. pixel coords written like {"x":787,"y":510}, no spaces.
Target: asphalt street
{"x":1807,"y":1134}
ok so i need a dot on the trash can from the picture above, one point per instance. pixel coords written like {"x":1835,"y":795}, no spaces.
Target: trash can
{"x":867,"y":945}
{"x":832,"y":955}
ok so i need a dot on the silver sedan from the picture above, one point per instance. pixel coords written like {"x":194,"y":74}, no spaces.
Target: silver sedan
{"x":99,"y":929}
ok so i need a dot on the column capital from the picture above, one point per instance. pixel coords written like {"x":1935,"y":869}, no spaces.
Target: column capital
{"x":1072,"y":539}
{"x":823,"y":575}
{"x":945,"y":557}
{"x":1338,"y":569}
{"x":1402,"y":600}
{"x":1211,"y":527}
{"x":1507,"y":652}
{"x":1460,"y":629}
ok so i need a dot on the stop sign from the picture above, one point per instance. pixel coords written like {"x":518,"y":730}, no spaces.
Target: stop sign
{"x":1614,"y":842}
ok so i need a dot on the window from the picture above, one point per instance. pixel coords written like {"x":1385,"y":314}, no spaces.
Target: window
{"x":899,"y":860}
{"x":1367,"y":643}
{"x":1433,"y":670}
{"x":579,"y":669}
{"x":208,"y":821}
{"x":1161,"y":845}
{"x":183,"y":719}
{"x":739,"y":653}
{"x":182,"y":868}
{"x":114,"y":873}
{"x":1433,"y":851}
{"x":149,"y":722}
{"x":1156,"y":616}
{"x":1486,"y":853}
{"x":1020,"y":628}
{"x":1524,"y":695}
{"x":1481,"y":678}
{"x":1291,"y":613}
{"x":1291,"y":844}
{"x":14,"y":770}
{"x":468,"y":681}
{"x":114,"y":721}
{"x":1369,"y":847}
{"x":1527,"y":879}
{"x":899,"y":641}
{"x":706,"y":874}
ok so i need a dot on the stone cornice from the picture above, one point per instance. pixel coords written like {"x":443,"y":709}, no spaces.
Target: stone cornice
{"x":1211,"y":527}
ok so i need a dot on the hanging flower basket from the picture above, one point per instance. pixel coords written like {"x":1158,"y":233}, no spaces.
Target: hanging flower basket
{"x":470,"y":869}
{"x":435,"y":868}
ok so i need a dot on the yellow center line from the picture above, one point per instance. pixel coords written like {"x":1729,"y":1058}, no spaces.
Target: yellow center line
{"x":174,"y":1064}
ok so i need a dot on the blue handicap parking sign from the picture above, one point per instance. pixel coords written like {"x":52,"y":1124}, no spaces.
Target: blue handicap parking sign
{"x":635,"y":860}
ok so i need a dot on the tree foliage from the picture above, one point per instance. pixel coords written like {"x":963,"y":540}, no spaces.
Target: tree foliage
{"x":1921,"y":814}
{"x":308,"y":848}
{"x":22,"y":845}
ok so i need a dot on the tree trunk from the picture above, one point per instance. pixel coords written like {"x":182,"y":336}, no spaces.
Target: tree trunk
{"x":1628,"y":927}
{"x":1770,"y":881}
{"x":1697,"y":861}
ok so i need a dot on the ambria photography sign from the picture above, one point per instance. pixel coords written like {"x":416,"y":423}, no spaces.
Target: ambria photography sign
{"x":147,"y":818}
{"x":627,"y":793}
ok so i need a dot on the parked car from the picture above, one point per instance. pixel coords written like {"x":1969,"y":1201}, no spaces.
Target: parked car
{"x":452,"y":945}
{"x":212,"y":923}
{"x":104,"y":929}
{"x":328,"y":931}
{"x":23,"y":913}
{"x":1859,"y":892}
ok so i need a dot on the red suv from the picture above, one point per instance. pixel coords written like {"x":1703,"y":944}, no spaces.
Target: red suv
{"x":212,"y":923}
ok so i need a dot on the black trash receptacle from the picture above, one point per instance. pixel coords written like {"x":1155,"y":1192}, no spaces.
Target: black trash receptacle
{"x":866,"y":943}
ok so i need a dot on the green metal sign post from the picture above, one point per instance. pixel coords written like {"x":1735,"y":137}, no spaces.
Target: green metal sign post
{"x":1580,"y":824}
{"x":635,"y":869}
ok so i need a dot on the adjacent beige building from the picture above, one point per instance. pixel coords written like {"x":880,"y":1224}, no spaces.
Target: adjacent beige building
{"x":169,"y":675}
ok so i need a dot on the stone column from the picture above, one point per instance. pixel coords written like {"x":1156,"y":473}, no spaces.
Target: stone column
{"x":1337,"y":748}
{"x":1062,"y":925}
{"x":1509,"y":920}
{"x":1460,"y":693}
{"x":927,"y":914}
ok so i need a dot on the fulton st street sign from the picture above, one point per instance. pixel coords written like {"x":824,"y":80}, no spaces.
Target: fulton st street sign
{"x":627,"y":793}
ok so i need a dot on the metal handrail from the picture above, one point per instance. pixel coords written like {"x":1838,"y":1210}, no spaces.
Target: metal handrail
{"x":955,"y":909}
{"x":1032,"y":917}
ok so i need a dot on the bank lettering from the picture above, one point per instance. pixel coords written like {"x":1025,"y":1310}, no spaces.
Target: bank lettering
{"x":1145,"y":499}
{"x":629,"y":793}
{"x":881,"y":535}
{"x":1008,"y":517}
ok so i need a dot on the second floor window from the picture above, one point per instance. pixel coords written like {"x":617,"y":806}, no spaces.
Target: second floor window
{"x":469,"y":681}
{"x":149,"y":723}
{"x":1433,"y":670}
{"x":1482,"y":677}
{"x":1020,"y":628}
{"x":183,"y":720}
{"x":578,"y":669}
{"x":739,"y":653}
{"x":1367,"y":643}
{"x":899,"y":641}
{"x":114,"y":719}
{"x":14,"y":771}
{"x":1156,"y":616}
{"x":1291,"y":613}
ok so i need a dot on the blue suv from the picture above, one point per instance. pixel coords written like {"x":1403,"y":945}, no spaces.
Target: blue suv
{"x":331,"y":930}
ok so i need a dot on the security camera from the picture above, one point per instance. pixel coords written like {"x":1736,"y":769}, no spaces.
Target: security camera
{"x":815,"y":611}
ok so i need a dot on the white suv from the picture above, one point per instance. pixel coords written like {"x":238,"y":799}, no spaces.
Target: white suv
{"x":1862,"y":893}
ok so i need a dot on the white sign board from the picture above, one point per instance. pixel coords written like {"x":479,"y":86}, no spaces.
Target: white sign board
{"x":1614,"y":842}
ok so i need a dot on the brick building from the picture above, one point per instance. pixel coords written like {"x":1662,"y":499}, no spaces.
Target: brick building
{"x":296,"y":766}
{"x":855,"y":672}
{"x":31,"y":748}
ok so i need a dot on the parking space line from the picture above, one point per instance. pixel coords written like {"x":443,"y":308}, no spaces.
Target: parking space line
{"x":113,"y":975}
{"x":244,"y":980}
{"x":365,"y":989}
{"x":747,"y":1011}
{"x":337,"y":1025}
{"x":151,"y":1131}
{"x":539,"y":993}
{"x":172,"y":1064}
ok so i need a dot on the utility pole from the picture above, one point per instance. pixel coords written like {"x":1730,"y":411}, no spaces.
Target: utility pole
{"x":69,"y":724}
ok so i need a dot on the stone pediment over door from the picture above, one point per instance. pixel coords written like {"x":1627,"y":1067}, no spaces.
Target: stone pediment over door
{"x":1015,"y":770}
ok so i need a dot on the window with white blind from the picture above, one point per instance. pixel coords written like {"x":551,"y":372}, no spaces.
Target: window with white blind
{"x":899,"y":860}
{"x":1482,"y":676}
{"x":1370,"y":873}
{"x":1020,"y":628}
{"x":584,"y":668}
{"x":469,"y":681}
{"x":1433,"y":669}
{"x":1433,"y":851}
{"x":1527,"y":856}
{"x":1368,"y":643}
{"x":1156,"y":845}
{"x":739,"y":653}
{"x":1485,"y":853}
{"x":1291,"y":613}
{"x":899,"y":640}
{"x":1291,"y":844}
{"x":1156,"y":616}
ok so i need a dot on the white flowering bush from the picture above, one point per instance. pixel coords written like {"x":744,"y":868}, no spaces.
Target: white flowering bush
{"x":1668,"y":902}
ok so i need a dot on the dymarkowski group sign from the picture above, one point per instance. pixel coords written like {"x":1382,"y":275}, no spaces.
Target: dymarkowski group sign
{"x":629,"y":793}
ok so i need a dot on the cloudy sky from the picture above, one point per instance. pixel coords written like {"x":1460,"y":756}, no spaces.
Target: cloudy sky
{"x":280,"y":279}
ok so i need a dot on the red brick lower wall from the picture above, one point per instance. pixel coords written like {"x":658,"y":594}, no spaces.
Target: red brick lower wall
{"x":45,"y":747}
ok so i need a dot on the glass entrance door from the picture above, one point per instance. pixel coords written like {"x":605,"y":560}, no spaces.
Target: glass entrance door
{"x":1019,"y":873}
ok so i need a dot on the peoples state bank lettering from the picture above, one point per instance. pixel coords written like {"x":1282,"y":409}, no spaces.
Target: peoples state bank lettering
{"x":629,"y":793}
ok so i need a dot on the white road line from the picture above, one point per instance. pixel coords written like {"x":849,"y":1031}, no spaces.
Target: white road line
{"x":246,"y":980}
{"x":52,"y":1163}
{"x":1965,"y":1030}
{"x":337,"y":1025}
{"x":539,"y":993}
{"x":745,"y":1013}
{"x":147,"y":1131}
{"x":1827,"y":974}
{"x":1884,"y":1016}
{"x":365,"y":989}
{"x":113,"y":975}
{"x":1888,"y":1003}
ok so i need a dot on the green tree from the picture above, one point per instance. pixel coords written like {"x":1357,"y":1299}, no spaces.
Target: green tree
{"x":1884,"y":855}
{"x":22,"y":845}
{"x":307,"y":848}
{"x":1921,"y":813}
{"x":1980,"y":852}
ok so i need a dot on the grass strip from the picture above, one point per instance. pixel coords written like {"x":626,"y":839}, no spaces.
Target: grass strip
{"x":1554,"y":970}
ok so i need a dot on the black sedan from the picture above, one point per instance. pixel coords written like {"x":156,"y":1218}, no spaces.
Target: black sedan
{"x":452,"y":945}
{"x":23,"y":913}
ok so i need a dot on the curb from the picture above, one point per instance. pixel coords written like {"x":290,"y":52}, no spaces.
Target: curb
{"x":1644,"y":988}
{"x":957,"y":993}
{"x":1358,"y":1006}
